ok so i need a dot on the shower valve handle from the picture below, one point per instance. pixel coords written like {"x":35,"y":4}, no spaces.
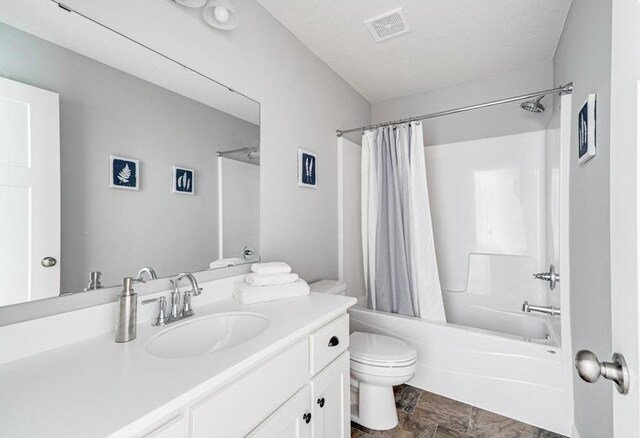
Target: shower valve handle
{"x":552,"y":277}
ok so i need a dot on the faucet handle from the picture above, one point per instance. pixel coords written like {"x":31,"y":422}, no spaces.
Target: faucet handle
{"x":162,"y":317}
{"x":187,"y":310}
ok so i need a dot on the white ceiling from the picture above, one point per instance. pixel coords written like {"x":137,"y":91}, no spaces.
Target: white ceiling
{"x":451,"y":41}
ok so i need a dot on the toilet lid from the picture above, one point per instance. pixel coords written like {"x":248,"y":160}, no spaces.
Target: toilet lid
{"x":372,"y":348}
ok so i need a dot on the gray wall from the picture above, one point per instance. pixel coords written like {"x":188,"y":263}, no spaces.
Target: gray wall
{"x":584,"y":57}
{"x":489,"y":122}
{"x":302,"y":101}
{"x":104,"y":112}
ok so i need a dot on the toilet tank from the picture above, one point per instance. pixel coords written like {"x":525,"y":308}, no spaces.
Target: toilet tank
{"x":334,"y":287}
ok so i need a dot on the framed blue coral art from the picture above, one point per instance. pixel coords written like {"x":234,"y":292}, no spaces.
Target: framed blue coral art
{"x":183,"y":180}
{"x":124,"y":173}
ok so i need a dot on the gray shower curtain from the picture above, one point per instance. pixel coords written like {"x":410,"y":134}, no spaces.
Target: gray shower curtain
{"x":399,"y":254}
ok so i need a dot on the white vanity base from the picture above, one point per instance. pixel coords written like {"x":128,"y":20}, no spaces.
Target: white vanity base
{"x":253,"y":389}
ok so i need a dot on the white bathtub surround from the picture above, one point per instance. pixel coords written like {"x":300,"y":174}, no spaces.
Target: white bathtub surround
{"x":269,"y":279}
{"x":100,"y":388}
{"x":400,"y":268}
{"x":271,"y":268}
{"x":246,"y":294}
{"x":378,"y":363}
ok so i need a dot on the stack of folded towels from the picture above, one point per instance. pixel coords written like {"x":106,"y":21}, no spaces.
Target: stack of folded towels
{"x":270,"y":282}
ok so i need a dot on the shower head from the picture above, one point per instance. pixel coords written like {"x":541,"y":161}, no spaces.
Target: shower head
{"x":533,"y":106}
{"x":253,"y":154}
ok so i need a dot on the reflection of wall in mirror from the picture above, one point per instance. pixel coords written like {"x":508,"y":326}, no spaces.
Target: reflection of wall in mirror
{"x":240,"y":207}
{"x":105,"y":112}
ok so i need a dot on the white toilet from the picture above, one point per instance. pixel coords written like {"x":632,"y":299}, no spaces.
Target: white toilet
{"x":378,"y":363}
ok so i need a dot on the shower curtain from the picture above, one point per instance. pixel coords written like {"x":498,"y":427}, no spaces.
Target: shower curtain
{"x":400,"y":269}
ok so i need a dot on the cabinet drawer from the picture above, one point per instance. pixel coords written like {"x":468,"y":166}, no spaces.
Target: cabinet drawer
{"x":245,"y":403}
{"x":328,"y":342}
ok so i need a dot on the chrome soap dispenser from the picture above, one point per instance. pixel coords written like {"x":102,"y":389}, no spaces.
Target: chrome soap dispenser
{"x":127,"y":311}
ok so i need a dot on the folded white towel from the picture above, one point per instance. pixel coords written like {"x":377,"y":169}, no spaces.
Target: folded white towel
{"x":271,"y":268}
{"x":225,"y":263}
{"x":246,"y":294}
{"x":269,"y":279}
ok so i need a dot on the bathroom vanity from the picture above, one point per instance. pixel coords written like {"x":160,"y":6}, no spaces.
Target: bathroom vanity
{"x":290,"y":380}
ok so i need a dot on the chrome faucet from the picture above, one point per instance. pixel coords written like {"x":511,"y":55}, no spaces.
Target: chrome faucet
{"x":176,"y":313}
{"x":149,"y":271}
{"x":196,"y":290}
{"x":549,"y":310}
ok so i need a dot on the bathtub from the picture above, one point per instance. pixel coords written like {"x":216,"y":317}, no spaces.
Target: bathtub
{"x":501,"y":361}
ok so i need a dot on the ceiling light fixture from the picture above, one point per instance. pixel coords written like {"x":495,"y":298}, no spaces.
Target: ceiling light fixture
{"x":191,"y":3}
{"x":220,"y":14}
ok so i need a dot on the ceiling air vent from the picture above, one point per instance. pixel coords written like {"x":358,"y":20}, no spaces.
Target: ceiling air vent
{"x":389,"y":25}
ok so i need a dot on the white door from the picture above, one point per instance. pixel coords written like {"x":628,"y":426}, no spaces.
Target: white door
{"x":292,"y":420}
{"x":625,"y":217}
{"x":29,"y":193}
{"x":330,"y":400}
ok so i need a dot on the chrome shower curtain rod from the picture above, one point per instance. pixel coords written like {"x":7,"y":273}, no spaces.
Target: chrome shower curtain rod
{"x":246,"y":150}
{"x":565,"y":89}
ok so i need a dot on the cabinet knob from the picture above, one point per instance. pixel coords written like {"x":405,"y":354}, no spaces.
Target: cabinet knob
{"x":321,"y":402}
{"x":334,"y":341}
{"x":307,"y":417}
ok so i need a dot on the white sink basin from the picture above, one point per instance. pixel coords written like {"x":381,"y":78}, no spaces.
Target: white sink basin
{"x":207,"y":334}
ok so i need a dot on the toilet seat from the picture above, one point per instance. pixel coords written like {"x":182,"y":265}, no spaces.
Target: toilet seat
{"x":383,"y":371}
{"x":381,"y":351}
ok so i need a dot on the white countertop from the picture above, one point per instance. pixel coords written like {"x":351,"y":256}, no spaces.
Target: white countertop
{"x":98,"y":388}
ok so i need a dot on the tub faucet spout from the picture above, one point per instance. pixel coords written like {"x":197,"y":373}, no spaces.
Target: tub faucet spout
{"x":549,"y":310}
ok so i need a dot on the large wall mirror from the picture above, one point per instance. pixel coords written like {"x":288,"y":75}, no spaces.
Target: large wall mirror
{"x":115,"y":158}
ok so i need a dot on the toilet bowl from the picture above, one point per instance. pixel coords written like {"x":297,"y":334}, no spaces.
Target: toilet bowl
{"x":378,"y":363}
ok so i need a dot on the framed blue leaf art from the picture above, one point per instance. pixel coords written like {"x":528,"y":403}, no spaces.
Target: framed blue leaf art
{"x":307,"y":169}
{"x":183,"y":181}
{"x":587,"y":130}
{"x":124,"y":173}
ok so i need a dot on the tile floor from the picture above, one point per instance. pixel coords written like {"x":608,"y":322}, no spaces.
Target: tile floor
{"x":423,"y":414}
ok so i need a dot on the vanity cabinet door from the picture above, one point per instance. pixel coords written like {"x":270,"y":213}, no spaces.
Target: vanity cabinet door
{"x":293,"y":419}
{"x":330,"y":400}
{"x":242,"y":405}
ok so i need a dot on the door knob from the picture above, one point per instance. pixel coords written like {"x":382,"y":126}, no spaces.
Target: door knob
{"x":48,"y":262}
{"x":590,"y":369}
